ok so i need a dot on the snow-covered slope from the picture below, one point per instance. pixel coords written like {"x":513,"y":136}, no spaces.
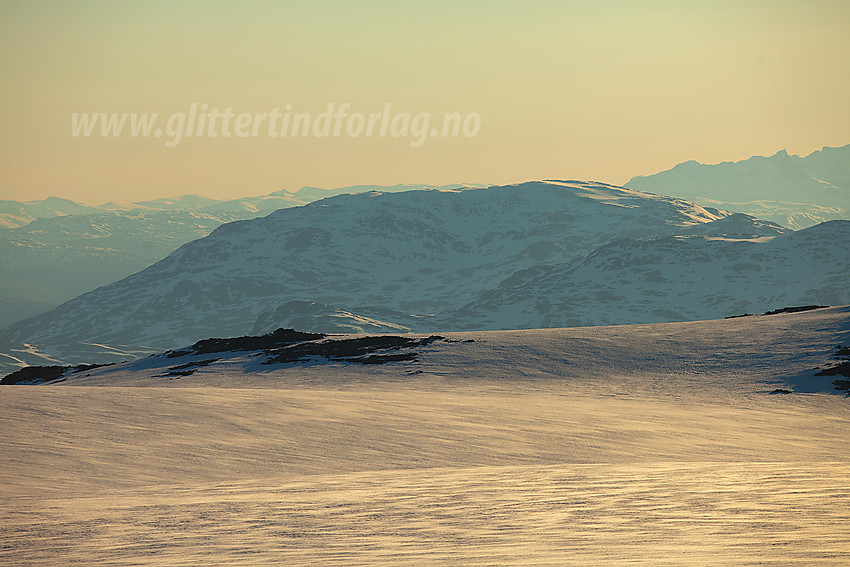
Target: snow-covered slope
{"x":676,"y":279}
{"x":314,"y":316}
{"x":729,"y":357}
{"x":667,"y":445}
{"x":418,"y":255}
{"x":794,"y":191}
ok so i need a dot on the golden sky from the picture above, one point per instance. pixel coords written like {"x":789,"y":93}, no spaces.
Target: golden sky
{"x":576,"y":90}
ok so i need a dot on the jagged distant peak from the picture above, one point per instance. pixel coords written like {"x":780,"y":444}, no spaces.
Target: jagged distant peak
{"x":55,"y":200}
{"x":781,"y":154}
{"x":787,"y":189}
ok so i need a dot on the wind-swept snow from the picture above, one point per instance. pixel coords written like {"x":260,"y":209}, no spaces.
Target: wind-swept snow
{"x":653,"y":445}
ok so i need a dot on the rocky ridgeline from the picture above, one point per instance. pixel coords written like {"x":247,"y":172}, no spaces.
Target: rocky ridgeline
{"x":282,"y":346}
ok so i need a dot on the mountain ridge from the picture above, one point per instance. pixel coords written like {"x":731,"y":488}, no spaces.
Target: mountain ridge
{"x":788,"y":189}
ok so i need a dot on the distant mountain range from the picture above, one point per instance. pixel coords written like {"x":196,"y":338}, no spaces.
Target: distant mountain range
{"x":14,"y":214}
{"x":55,"y":249}
{"x":535,"y":254}
{"x":422,"y":258}
{"x":72,"y":248}
{"x":793,"y":191}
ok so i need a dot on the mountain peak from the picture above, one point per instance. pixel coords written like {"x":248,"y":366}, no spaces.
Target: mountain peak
{"x":786,"y":189}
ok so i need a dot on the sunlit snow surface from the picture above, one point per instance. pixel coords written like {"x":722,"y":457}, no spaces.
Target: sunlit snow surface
{"x":630,"y":445}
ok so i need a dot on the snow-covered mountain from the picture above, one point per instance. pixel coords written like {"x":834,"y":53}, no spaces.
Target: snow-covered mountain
{"x":676,"y":278}
{"x":15,"y":213}
{"x":55,"y":249}
{"x":788,"y":189}
{"x":393,"y":260}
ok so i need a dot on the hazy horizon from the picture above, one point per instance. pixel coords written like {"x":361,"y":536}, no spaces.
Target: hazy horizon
{"x":597,"y":91}
{"x":294,"y":190}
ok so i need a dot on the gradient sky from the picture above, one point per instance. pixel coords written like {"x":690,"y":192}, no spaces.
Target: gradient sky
{"x":578,"y":90}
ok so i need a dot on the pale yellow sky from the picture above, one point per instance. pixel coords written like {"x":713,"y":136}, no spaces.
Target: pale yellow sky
{"x":583,"y":90}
